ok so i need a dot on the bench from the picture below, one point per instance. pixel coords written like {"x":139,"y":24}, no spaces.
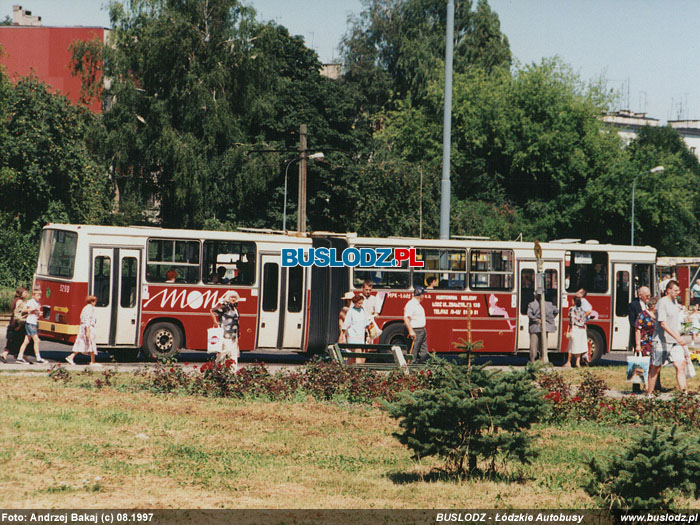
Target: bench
{"x":376,"y":356}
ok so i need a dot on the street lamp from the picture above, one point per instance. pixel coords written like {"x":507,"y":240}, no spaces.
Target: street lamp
{"x":657,"y":169}
{"x":318,"y":155}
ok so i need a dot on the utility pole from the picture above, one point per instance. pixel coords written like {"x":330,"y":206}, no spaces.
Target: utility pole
{"x":447,"y":124}
{"x":301,"y":205}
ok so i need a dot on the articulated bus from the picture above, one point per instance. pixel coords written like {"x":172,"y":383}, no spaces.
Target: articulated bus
{"x":155,"y":288}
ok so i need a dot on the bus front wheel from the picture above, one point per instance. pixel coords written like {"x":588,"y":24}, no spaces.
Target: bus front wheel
{"x":162,"y":340}
{"x":595,"y":340}
{"x":395,"y":334}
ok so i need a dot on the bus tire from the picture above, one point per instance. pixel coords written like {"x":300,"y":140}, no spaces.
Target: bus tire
{"x":595,"y":340}
{"x":162,"y":340}
{"x":395,"y":334}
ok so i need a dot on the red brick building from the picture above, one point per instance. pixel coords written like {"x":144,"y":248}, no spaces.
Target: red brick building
{"x":44,"y":52}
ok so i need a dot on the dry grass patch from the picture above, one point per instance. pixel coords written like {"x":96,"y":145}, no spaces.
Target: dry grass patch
{"x":76,"y":447}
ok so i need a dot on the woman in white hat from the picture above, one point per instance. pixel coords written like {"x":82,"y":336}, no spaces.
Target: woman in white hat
{"x":225,"y":315}
{"x":347,"y":298}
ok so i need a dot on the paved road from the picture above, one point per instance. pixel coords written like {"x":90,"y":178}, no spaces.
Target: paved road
{"x":56,"y":353}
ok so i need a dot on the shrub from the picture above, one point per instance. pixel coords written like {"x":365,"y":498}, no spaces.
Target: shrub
{"x":646,"y":475}
{"x":469,"y":413}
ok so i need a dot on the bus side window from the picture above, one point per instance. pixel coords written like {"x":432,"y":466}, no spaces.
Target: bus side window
{"x":101,"y":278}
{"x":527,"y":289}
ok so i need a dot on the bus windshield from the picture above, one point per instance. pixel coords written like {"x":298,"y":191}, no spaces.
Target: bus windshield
{"x":57,"y":253}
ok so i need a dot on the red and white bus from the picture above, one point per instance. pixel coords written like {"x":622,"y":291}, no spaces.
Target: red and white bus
{"x":483,"y":285}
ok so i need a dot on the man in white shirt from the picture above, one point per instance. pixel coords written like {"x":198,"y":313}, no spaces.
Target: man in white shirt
{"x":414,"y":319}
{"x":668,"y":343}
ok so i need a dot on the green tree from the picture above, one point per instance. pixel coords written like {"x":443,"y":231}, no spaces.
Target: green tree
{"x":666,"y":204}
{"x":469,"y":414}
{"x":202,"y":97}
{"x":395,"y":48}
{"x":49,"y":171}
{"x":647,"y":475}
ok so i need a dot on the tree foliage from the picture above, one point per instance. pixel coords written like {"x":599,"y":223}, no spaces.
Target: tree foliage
{"x":49,"y":171}
{"x":647,"y":475}
{"x":469,"y":414}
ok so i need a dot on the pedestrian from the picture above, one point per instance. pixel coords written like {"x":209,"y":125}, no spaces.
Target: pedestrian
{"x":535,"y":323}
{"x":668,"y":343}
{"x":664,"y":283}
{"x":430,"y":282}
{"x":15,"y":328}
{"x":347,"y":301}
{"x":369,"y":306}
{"x":636,"y":307}
{"x":31,"y":326}
{"x":414,"y":319}
{"x":578,"y":338}
{"x":355,"y":325}
{"x":695,"y":290}
{"x":644,"y":328}
{"x":639,"y":306}
{"x":226,"y":316}
{"x":582,"y":293}
{"x":86,"y":342}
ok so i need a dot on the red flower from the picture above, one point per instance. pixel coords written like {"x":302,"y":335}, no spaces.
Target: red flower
{"x":228,"y":363}
{"x":576,"y":399}
{"x":554,"y":396}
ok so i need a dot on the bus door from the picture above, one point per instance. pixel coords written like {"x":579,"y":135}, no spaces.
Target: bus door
{"x":269,"y":315}
{"x":127,"y":305}
{"x":622,"y":296}
{"x":527,"y":271}
{"x":114,"y":281}
{"x":294,"y":307}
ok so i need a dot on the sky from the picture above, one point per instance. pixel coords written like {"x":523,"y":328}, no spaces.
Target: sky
{"x":648,"y":50}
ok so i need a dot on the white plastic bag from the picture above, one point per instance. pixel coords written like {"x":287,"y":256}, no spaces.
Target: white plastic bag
{"x":689,"y":368}
{"x":215,"y":340}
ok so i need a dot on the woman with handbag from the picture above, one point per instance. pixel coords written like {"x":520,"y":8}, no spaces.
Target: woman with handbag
{"x":16,"y":325}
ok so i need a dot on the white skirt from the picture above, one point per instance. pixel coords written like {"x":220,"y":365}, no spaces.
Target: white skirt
{"x":579,"y":340}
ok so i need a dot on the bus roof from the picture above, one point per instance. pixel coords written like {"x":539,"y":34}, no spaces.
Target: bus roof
{"x":276,"y":236}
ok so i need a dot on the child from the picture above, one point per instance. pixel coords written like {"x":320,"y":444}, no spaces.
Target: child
{"x":225,"y":315}
{"x":31,"y":326}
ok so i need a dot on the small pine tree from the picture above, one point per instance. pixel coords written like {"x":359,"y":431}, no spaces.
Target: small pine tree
{"x":647,"y":474}
{"x":469,"y":413}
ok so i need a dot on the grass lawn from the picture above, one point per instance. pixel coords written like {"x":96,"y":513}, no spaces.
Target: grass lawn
{"x":75,"y":446}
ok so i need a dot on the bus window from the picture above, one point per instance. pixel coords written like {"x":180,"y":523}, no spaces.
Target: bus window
{"x":169,"y":254}
{"x":101,"y":279}
{"x":491,"y":270}
{"x":229,"y":262}
{"x":398,"y":278}
{"x":270,"y":292}
{"x":295,"y":289}
{"x":622,"y":292}
{"x":527,"y":289}
{"x":57,"y":253}
{"x":587,"y":270}
{"x":128,"y":291}
{"x":447,"y":267}
{"x":642,"y":275}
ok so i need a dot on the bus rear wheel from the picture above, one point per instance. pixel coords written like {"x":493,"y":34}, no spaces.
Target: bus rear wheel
{"x":597,"y":345}
{"x":395,"y":334}
{"x":162,"y":340}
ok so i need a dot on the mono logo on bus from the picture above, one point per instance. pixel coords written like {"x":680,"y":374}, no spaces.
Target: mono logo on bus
{"x":350,"y":257}
{"x":182,"y":299}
